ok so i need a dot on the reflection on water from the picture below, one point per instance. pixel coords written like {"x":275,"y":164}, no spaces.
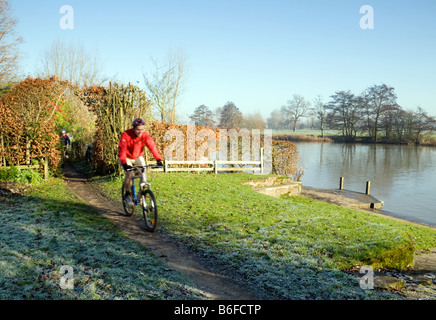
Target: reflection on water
{"x":402,"y":176}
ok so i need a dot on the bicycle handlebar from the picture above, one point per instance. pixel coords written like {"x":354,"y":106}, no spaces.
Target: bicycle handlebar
{"x":153,"y":166}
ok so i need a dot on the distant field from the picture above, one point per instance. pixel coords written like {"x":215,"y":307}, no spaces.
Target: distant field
{"x":307,"y":132}
{"x":304,"y":135}
{"x":318,"y":133}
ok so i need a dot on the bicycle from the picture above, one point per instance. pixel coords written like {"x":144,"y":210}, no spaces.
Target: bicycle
{"x":65,"y":154}
{"x":145,"y":198}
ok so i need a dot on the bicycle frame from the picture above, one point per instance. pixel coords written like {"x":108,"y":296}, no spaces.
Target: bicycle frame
{"x":141,"y":169}
{"x":147,"y":199}
{"x":135,"y":197}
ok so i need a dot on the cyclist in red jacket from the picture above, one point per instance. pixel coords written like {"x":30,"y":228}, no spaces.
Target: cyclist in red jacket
{"x":131,"y":151}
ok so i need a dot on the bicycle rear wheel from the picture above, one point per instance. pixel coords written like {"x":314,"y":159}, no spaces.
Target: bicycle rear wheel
{"x":128,"y":209}
{"x":149,"y":209}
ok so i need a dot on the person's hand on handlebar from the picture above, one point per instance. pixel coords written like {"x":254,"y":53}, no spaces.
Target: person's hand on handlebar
{"x":127,"y":167}
{"x":159,"y":163}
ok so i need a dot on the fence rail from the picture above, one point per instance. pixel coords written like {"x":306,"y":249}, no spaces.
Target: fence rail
{"x":212,"y":165}
{"x":209,"y":166}
{"x":27,"y":167}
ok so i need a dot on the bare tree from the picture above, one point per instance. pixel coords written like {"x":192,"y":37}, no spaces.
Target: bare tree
{"x":275,"y":120}
{"x":295,"y":109}
{"x":423,"y":125}
{"x":346,"y":113}
{"x":203,"y":117}
{"x":319,"y":110}
{"x":231,"y":117}
{"x":377,"y":100}
{"x":387,"y":121}
{"x":71,"y":62}
{"x":9,"y":42}
{"x":254,"y":121}
{"x":165,"y":85}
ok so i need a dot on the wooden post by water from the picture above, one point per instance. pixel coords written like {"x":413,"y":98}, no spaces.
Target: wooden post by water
{"x":368,"y":187}
{"x":341,"y":183}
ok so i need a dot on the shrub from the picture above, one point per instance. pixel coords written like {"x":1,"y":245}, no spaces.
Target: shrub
{"x":17,"y":175}
{"x":27,"y":121}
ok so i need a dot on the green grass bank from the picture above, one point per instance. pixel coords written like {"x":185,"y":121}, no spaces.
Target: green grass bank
{"x":288,"y":248}
{"x":49,"y":227}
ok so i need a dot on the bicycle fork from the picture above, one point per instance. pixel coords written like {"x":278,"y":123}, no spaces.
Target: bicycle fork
{"x":135,"y":197}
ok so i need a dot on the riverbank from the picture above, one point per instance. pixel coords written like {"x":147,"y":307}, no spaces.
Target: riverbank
{"x":353,"y":200}
{"x":401,"y":176}
{"x":345,"y":198}
{"x":416,"y":282}
{"x":278,"y":248}
{"x":330,"y":136}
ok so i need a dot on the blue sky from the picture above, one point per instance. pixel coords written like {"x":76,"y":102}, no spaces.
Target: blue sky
{"x":257,"y":54}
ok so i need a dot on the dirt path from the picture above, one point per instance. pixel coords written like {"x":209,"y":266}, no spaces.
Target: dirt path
{"x":215,"y":285}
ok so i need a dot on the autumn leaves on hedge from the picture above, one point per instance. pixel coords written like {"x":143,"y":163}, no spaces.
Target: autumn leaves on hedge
{"x":29,"y":111}
{"x":27,"y":122}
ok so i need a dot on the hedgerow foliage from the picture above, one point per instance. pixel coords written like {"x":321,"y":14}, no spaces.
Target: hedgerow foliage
{"x":285,"y":159}
{"x":165,"y":137}
{"x":27,"y":121}
{"x":284,"y":154}
{"x":115,"y":108}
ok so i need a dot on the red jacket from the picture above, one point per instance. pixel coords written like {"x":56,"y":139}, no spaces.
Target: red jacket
{"x":132,"y":147}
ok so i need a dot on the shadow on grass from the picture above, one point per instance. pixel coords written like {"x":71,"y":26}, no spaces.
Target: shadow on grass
{"x":40,"y":233}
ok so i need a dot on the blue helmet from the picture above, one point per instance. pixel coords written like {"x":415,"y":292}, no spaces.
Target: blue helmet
{"x":138,"y":122}
{"x":63,"y":131}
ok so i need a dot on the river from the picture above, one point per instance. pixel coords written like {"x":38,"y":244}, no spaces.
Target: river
{"x":402,"y":176}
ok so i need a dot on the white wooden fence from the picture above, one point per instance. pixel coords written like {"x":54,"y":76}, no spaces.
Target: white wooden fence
{"x":212,"y":166}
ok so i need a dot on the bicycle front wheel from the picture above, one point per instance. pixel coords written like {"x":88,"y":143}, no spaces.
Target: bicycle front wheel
{"x":128,"y":207}
{"x":149,"y":209}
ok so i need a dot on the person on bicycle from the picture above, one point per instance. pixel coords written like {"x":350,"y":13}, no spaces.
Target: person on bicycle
{"x":66,"y":141}
{"x":131,"y":151}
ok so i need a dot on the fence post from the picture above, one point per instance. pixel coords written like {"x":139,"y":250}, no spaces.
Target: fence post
{"x":368,"y":187}
{"x":341,"y":183}
{"x":261,"y":161}
{"x":215,"y":166}
{"x":46,"y":168}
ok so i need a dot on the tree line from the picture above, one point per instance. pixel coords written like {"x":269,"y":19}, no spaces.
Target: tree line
{"x":226,"y":117}
{"x":374,"y":114}
{"x":69,"y":93}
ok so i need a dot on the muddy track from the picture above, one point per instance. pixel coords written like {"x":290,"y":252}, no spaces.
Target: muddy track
{"x":215,"y":285}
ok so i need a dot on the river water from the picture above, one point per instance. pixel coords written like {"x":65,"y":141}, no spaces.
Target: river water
{"x":403,"y":177}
